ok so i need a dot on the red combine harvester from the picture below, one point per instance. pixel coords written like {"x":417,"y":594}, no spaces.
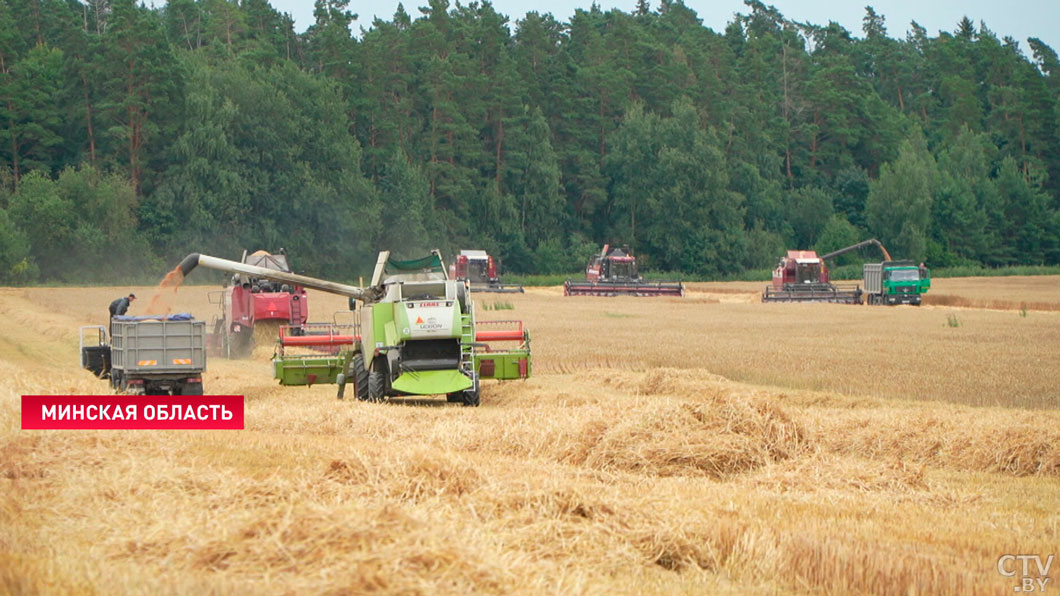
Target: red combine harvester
{"x":614,"y":273}
{"x":802,"y":276}
{"x":246,"y":301}
{"x":481,"y":269}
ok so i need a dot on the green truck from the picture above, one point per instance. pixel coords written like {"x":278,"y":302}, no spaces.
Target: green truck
{"x":895,"y":282}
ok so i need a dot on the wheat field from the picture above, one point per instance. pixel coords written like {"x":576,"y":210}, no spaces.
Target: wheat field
{"x":707,"y":444}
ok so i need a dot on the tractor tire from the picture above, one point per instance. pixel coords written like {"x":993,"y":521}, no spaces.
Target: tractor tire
{"x":377,"y":380}
{"x":359,"y":376}
{"x":376,"y":385}
{"x":470,"y":397}
{"x":241,"y":344}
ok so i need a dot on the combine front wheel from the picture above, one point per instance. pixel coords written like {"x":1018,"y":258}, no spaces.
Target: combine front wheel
{"x":377,"y":381}
{"x":360,"y":377}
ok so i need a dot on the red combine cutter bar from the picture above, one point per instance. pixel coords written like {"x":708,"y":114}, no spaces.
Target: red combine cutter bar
{"x":311,"y":335}
{"x":323,"y":338}
{"x":488,"y":335}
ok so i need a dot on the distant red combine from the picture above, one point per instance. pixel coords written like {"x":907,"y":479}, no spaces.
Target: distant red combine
{"x":482,"y":270}
{"x":614,"y":273}
{"x":802,"y":276}
{"x":246,"y":301}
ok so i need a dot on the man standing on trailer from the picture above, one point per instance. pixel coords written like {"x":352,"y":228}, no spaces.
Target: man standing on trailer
{"x":120,"y":306}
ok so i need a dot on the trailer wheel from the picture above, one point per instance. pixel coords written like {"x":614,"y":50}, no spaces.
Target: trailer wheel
{"x":360,"y":377}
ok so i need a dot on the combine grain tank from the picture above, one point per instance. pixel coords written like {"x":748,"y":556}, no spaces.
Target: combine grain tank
{"x":482,"y":270}
{"x":614,"y":273}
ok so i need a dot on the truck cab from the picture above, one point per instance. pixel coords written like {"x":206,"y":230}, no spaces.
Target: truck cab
{"x":904,"y":282}
{"x":896,"y":282}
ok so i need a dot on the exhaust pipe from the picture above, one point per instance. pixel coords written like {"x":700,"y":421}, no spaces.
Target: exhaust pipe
{"x":194,"y":260}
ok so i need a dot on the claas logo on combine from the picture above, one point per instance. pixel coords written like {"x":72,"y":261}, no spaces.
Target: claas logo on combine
{"x":412,"y":305}
{"x":431,"y":324}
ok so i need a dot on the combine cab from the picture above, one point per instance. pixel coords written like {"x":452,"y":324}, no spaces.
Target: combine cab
{"x":614,"y":273}
{"x":248,"y":300}
{"x":481,"y":270}
{"x":802,"y":276}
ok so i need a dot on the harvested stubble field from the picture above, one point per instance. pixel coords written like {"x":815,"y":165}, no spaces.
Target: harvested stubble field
{"x":698,"y":445}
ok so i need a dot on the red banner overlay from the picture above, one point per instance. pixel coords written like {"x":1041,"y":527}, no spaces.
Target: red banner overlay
{"x":150,"y":412}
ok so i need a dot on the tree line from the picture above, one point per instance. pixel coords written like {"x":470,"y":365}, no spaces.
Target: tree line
{"x":134,"y":135}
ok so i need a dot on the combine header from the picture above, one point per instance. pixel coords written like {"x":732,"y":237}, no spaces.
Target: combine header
{"x":482,"y":270}
{"x":306,"y":355}
{"x":415,"y":333}
{"x":250,"y":299}
{"x":614,"y":273}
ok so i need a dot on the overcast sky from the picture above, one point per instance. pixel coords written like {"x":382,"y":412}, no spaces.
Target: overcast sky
{"x":1019,"y":18}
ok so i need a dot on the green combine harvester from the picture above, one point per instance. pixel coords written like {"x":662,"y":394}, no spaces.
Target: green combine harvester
{"x":414,"y":333}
